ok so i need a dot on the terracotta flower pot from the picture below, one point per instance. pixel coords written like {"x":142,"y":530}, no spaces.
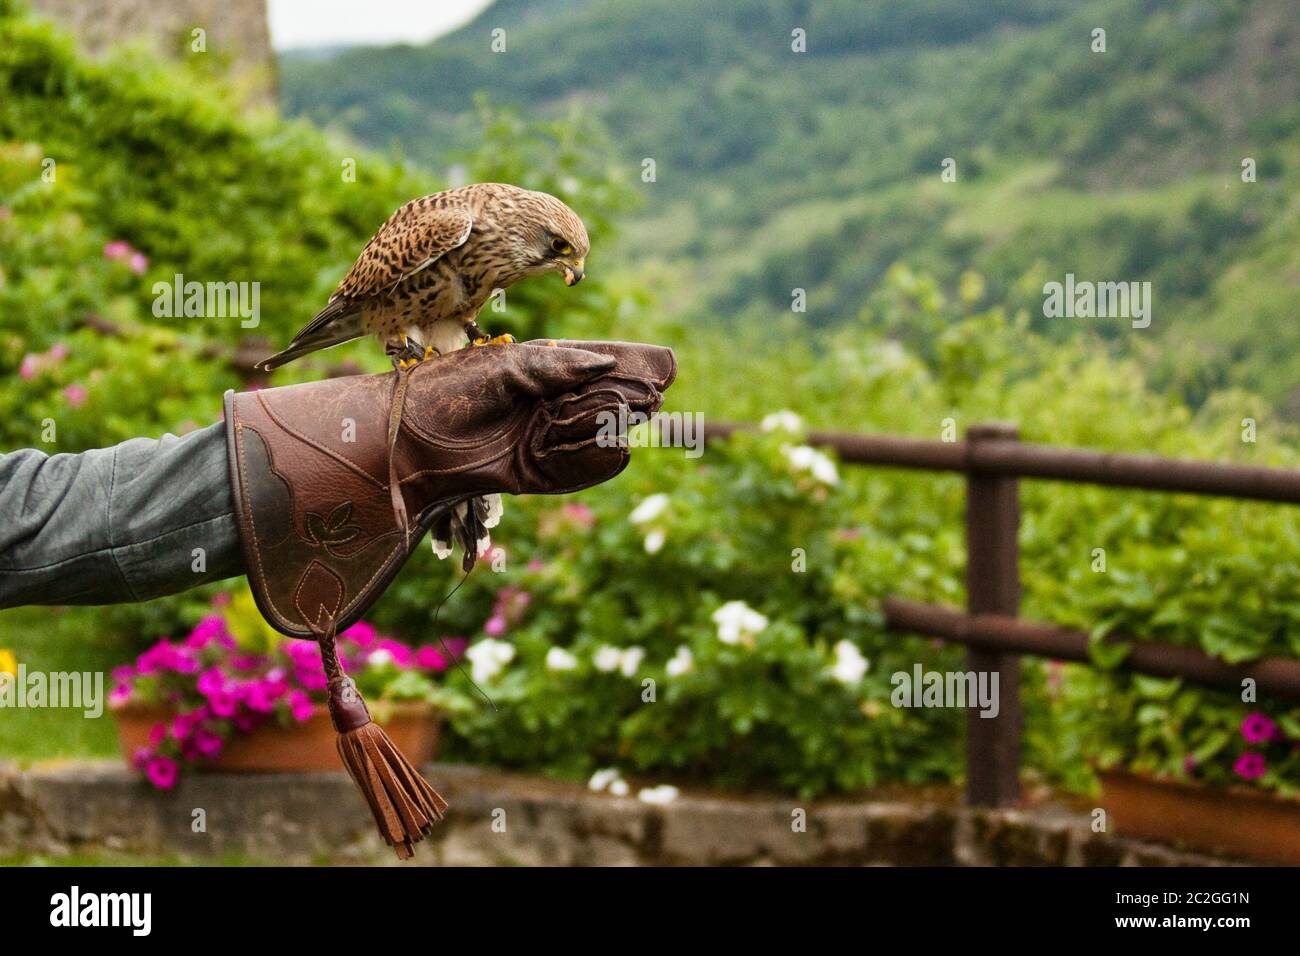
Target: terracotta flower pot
{"x":1230,"y":820}
{"x":413,"y":727}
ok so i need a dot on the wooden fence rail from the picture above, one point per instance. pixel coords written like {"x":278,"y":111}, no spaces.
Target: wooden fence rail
{"x":993,"y":459}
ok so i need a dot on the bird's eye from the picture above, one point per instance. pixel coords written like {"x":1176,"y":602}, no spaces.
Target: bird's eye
{"x":560,"y":247}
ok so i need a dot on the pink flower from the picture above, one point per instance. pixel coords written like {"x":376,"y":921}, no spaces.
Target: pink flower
{"x":119,"y":695}
{"x":220,"y":599}
{"x":579,"y":513}
{"x":162,"y":772}
{"x":123,"y":673}
{"x":184,"y":725}
{"x":262,"y":695}
{"x":1250,"y":766}
{"x":31,"y":365}
{"x":361,"y":634}
{"x":456,"y":646}
{"x":246,"y":722}
{"x":139,"y":263}
{"x":75,"y":395}
{"x":403,"y":656}
{"x":166,"y":656}
{"x":300,"y":706}
{"x":208,"y":629}
{"x":157,"y":734}
{"x":536,"y":564}
{"x":58,"y":352}
{"x":1189,"y":764}
{"x":223,"y":703}
{"x":207,"y":743}
{"x":1257,"y":728}
{"x":140,"y":759}
{"x":430,"y":659}
{"x":211,"y":681}
{"x":312,"y":680}
{"x":495,"y":626}
{"x":117,"y":249}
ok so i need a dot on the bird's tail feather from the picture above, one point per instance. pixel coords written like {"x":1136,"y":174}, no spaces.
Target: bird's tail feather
{"x":335,"y":324}
{"x":467,"y":524}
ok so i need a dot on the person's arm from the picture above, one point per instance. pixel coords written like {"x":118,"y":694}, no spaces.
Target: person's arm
{"x":129,"y":523}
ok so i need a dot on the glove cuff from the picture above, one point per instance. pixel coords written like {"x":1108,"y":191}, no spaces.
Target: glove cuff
{"x":316,"y":524}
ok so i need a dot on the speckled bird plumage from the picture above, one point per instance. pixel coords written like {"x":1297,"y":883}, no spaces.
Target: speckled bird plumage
{"x":424,"y":276}
{"x":433,"y":265}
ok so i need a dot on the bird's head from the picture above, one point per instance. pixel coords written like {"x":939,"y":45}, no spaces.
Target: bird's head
{"x":557,"y":240}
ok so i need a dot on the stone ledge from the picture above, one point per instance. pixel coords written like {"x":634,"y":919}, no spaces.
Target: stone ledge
{"x":514,"y":819}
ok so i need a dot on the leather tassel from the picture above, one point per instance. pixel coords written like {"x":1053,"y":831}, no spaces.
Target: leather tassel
{"x":402,"y":802}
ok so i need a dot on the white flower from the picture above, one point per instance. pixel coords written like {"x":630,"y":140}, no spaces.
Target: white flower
{"x":654,"y":540}
{"x":805,"y":458}
{"x":488,"y":657}
{"x":649,"y":509}
{"x":658,"y":795}
{"x":558,"y":659}
{"x":681,"y":662}
{"x":602,"y":779}
{"x":736,"y":620}
{"x":609,"y":659}
{"x":619,"y":788}
{"x":379,"y":658}
{"x":631,"y":660}
{"x":784,"y":420}
{"x":849,"y":665}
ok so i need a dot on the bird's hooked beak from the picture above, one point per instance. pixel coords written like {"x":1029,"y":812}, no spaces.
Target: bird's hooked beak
{"x":573,"y":272}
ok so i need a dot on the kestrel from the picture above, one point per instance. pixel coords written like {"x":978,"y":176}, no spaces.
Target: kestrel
{"x":419,"y":284}
{"x":432,"y":266}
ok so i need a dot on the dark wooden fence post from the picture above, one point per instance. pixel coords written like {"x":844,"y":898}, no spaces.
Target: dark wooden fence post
{"x":993,"y":587}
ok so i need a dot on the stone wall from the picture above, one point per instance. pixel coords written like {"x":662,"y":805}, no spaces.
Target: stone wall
{"x":510,"y":819}
{"x":238,"y":35}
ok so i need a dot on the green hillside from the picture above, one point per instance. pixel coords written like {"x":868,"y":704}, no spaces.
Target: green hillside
{"x":778,"y":170}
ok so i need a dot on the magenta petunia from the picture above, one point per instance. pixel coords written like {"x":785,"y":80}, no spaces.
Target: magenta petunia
{"x":162,"y":772}
{"x":402,"y":654}
{"x":430,"y":659}
{"x":211,"y":681}
{"x":495,"y":626}
{"x":119,"y":695}
{"x":207,"y":744}
{"x":312,"y":680}
{"x":1250,"y":766}
{"x":300,"y":706}
{"x":122,"y":673}
{"x":1257,"y":728}
{"x":209,"y":629}
{"x":223,"y":703}
{"x":361,"y":634}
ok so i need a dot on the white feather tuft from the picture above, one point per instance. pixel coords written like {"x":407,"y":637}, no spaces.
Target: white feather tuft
{"x":494,"y":510}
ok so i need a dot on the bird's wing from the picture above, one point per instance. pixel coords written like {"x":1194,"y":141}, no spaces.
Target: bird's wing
{"x":412,"y":239}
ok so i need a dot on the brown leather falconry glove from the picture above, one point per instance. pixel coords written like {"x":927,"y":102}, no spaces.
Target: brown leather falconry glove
{"x":315,"y":494}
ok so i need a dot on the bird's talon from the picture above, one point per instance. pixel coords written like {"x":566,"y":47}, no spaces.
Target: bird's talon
{"x":481,"y":340}
{"x":429,"y":352}
{"x":504,"y":339}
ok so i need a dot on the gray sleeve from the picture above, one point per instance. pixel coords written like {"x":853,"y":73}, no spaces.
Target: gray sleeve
{"x":137,"y":521}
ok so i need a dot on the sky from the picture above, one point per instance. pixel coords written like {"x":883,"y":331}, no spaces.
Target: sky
{"x":296,"y":24}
